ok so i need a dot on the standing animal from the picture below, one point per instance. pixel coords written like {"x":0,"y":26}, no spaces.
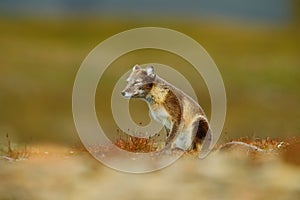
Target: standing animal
{"x":184,"y":120}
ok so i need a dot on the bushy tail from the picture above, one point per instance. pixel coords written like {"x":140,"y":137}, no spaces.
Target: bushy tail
{"x":206,"y":146}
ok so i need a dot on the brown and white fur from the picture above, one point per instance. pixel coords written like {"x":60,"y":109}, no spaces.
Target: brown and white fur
{"x":184,"y":120}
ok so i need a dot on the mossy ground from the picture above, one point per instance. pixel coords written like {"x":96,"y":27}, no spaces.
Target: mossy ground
{"x":53,"y":171}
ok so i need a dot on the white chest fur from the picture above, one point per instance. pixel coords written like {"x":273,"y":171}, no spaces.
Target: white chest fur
{"x":160,"y":114}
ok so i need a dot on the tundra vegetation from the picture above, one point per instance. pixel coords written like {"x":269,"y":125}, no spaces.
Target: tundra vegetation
{"x":41,"y":156}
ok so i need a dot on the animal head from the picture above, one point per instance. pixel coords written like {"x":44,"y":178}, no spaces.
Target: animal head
{"x":139,"y":83}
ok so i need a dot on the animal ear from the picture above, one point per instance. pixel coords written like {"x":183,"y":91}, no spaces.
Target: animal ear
{"x":150,"y":71}
{"x":136,"y":67}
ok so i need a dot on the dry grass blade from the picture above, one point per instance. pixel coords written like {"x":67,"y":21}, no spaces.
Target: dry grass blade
{"x":15,"y":154}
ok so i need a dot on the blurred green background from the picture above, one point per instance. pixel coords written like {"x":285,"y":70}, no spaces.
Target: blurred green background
{"x":254,"y":44}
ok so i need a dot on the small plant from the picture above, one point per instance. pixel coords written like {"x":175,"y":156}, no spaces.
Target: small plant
{"x":136,"y":144}
{"x":12,"y":154}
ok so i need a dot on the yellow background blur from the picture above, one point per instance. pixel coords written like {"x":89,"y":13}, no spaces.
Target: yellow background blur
{"x":40,"y":55}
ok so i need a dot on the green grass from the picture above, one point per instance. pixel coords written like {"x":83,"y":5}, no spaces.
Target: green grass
{"x":39,"y":60}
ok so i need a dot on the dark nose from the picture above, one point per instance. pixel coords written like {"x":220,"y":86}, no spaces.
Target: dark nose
{"x":123,"y":93}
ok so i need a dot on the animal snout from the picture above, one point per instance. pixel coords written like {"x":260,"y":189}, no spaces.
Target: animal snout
{"x":123,"y":93}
